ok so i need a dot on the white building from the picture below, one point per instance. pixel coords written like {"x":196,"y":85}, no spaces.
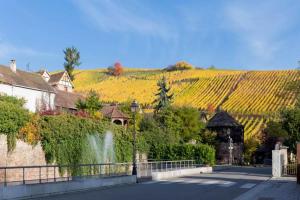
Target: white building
{"x":32,"y":87}
{"x":60,"y":81}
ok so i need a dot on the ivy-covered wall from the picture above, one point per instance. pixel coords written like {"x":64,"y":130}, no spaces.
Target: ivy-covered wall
{"x":64,"y":139}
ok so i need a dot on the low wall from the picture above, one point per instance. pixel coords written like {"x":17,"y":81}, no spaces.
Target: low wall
{"x":180,"y":172}
{"x":23,"y":155}
{"x":38,"y":190}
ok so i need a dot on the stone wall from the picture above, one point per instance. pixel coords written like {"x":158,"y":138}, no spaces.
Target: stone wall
{"x":23,"y":155}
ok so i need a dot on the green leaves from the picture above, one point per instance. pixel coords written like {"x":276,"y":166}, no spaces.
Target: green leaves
{"x":201,"y":153}
{"x":64,"y":139}
{"x":12,"y":117}
{"x":92,"y":103}
{"x":163,"y":98}
{"x":72,"y":57}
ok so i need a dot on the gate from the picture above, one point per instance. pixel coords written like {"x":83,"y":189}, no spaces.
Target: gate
{"x":290,"y":169}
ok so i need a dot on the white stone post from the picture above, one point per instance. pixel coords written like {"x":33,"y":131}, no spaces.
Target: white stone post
{"x":276,"y":163}
{"x":279,"y":159}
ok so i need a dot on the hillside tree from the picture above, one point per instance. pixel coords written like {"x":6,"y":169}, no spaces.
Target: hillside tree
{"x":115,"y":70}
{"x":163,"y":99}
{"x":72,"y":60}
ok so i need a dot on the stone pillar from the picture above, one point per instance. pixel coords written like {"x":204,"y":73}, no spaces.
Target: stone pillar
{"x":276,"y":163}
{"x":298,"y":162}
{"x":284,"y":153}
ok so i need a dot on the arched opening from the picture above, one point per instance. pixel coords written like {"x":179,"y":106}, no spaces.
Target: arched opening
{"x":118,"y":122}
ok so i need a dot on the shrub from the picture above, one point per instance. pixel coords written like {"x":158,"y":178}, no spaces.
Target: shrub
{"x":12,"y":117}
{"x":182,"y":65}
{"x":201,"y":153}
{"x":115,"y":70}
{"x":64,"y":139}
{"x":30,"y":132}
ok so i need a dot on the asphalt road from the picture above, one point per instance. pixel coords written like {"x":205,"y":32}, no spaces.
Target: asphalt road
{"x":224,"y":184}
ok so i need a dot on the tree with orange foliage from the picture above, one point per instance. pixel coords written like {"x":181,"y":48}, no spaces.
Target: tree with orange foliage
{"x":210,"y":108}
{"x":116,"y":70}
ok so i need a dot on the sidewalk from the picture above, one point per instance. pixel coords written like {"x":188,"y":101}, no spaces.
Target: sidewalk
{"x":284,"y":188}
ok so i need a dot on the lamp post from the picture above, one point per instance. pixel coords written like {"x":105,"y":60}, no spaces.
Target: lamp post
{"x":230,"y":147}
{"x":134,"y":109}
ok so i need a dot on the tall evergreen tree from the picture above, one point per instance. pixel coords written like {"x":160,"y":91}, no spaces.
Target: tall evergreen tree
{"x":72,"y":57}
{"x":163,"y":99}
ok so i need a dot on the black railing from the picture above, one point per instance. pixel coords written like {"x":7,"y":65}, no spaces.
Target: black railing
{"x":17,"y":175}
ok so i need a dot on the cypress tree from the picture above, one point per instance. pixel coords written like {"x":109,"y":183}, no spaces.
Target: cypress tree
{"x":163,"y":99}
{"x":72,"y":57}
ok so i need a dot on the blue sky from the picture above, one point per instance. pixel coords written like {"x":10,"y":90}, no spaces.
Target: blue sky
{"x":257,"y":34}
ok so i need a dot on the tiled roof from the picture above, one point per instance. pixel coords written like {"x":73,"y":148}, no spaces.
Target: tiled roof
{"x":223,"y":119}
{"x":67,"y":99}
{"x":55,"y":78}
{"x":113,"y":112}
{"x":23,"y":79}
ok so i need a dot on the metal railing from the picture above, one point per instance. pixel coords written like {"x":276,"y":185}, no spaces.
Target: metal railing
{"x":145,"y":169}
{"x":55,"y":173}
{"x":289,"y":169}
{"x":18,"y":175}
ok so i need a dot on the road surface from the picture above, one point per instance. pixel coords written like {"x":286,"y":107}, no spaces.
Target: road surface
{"x":224,"y":184}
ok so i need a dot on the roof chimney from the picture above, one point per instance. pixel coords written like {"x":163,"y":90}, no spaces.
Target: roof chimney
{"x":13,"y":65}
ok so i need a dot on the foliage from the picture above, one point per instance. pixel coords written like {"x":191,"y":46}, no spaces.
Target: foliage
{"x":171,"y":126}
{"x":163,"y":98}
{"x":64,"y":139}
{"x":286,"y":130}
{"x":190,"y":125}
{"x":116,"y":70}
{"x":72,"y":57}
{"x":10,"y":99}
{"x":202,"y":153}
{"x":152,"y":133}
{"x":255,"y":96}
{"x":208,"y":137}
{"x":212,"y":67}
{"x":274,"y":129}
{"x":290,"y":120}
{"x":91,"y":104}
{"x":182,"y":65}
{"x":12,"y":117}
{"x":30,"y":132}
{"x":250,"y":146}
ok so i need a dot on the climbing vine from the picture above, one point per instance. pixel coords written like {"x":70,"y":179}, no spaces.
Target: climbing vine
{"x":64,"y":139}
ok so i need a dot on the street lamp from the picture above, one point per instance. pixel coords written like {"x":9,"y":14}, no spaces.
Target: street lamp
{"x":230,"y":147}
{"x":134,"y":109}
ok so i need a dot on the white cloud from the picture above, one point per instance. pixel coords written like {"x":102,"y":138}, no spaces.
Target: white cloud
{"x":107,"y":15}
{"x":260,"y":25}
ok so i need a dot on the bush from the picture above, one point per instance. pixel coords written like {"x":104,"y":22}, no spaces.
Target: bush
{"x":115,"y":70}
{"x":201,"y":153}
{"x":64,"y":139}
{"x":12,"y":117}
{"x":182,"y":65}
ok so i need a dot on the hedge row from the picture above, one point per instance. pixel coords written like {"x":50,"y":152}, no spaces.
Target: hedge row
{"x":201,"y":153}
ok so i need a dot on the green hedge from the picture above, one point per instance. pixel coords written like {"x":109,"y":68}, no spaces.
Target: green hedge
{"x":201,"y":153}
{"x":65,"y":139}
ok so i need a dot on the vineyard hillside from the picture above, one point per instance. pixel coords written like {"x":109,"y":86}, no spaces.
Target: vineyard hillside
{"x":252,"y":97}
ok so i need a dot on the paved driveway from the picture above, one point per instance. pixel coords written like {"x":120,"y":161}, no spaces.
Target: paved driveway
{"x":223,"y":184}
